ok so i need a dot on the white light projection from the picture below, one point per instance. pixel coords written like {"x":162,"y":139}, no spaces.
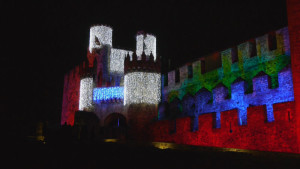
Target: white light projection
{"x":150,"y":45}
{"x":100,"y":35}
{"x":139,"y":45}
{"x":142,"y":87}
{"x":147,"y":43}
{"x":116,"y":60}
{"x":86,"y":94}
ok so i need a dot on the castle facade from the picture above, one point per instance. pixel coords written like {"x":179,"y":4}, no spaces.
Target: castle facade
{"x":248,"y":99}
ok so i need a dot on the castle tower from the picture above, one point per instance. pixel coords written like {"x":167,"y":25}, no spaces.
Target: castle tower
{"x":86,"y":88}
{"x":142,"y":93}
{"x":100,"y":35}
{"x":86,"y":94}
{"x":99,"y":53}
{"x":145,"y":43}
{"x":142,"y":82}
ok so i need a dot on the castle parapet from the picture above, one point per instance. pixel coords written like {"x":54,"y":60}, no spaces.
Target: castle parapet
{"x":142,"y":65}
{"x":243,"y":60}
{"x":280,"y":135}
{"x":142,"y":80}
{"x":220,"y":100}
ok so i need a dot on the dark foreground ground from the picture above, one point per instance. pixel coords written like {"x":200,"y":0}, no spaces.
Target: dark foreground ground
{"x":35,"y":155}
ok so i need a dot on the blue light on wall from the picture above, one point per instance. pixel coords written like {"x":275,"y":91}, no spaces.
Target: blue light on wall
{"x":108,"y":93}
{"x":261,"y":95}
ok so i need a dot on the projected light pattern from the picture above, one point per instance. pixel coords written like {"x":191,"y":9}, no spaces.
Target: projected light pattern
{"x":105,"y":94}
{"x":116,"y":60}
{"x":150,"y":45}
{"x":146,"y":43}
{"x":261,"y":95}
{"x":86,"y":94}
{"x":249,"y":63}
{"x":142,"y":87}
{"x":100,"y":35}
{"x":139,"y":45}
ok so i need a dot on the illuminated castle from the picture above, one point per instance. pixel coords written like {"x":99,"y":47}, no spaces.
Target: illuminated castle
{"x":248,"y":99}
{"x":113,"y":81}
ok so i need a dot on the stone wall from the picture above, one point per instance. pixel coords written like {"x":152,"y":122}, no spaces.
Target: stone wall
{"x":293,"y":12}
{"x":140,"y":118}
{"x":280,"y":135}
{"x":70,"y":96}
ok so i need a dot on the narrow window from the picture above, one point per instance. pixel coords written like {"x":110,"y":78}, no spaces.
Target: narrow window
{"x":289,"y":115}
{"x":253,"y":51}
{"x":269,"y":82}
{"x":190,"y":71}
{"x":214,"y":120}
{"x":177,"y":76}
{"x":202,"y":66}
{"x":234,"y":55}
{"x":272,"y":41}
{"x":166,"y":79}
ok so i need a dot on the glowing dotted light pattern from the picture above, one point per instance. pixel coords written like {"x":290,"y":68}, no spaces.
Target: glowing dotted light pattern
{"x":141,"y":87}
{"x":146,"y":43}
{"x":139,"y":45}
{"x":239,"y":100}
{"x":104,"y":94}
{"x":257,"y":89}
{"x":150,"y":45}
{"x":100,"y":35}
{"x":86,"y":94}
{"x":246,"y":68}
{"x":116,"y":60}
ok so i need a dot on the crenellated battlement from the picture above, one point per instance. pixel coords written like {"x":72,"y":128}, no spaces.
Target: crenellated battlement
{"x":242,"y":61}
{"x":143,"y":65}
{"x":142,"y":80}
{"x":264,"y":119}
{"x":219,"y":100}
{"x":280,"y":135}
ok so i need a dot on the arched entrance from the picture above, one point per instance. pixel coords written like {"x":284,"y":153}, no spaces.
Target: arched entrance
{"x":115,"y":126}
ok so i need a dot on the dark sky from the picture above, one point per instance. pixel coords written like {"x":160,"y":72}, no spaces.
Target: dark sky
{"x":44,"y":40}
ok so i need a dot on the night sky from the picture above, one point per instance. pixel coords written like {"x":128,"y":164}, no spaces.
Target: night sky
{"x":44,"y":40}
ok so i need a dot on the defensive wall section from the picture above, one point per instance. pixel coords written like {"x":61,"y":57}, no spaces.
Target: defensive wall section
{"x":247,"y":103}
{"x":280,"y":135}
{"x":269,"y":53}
